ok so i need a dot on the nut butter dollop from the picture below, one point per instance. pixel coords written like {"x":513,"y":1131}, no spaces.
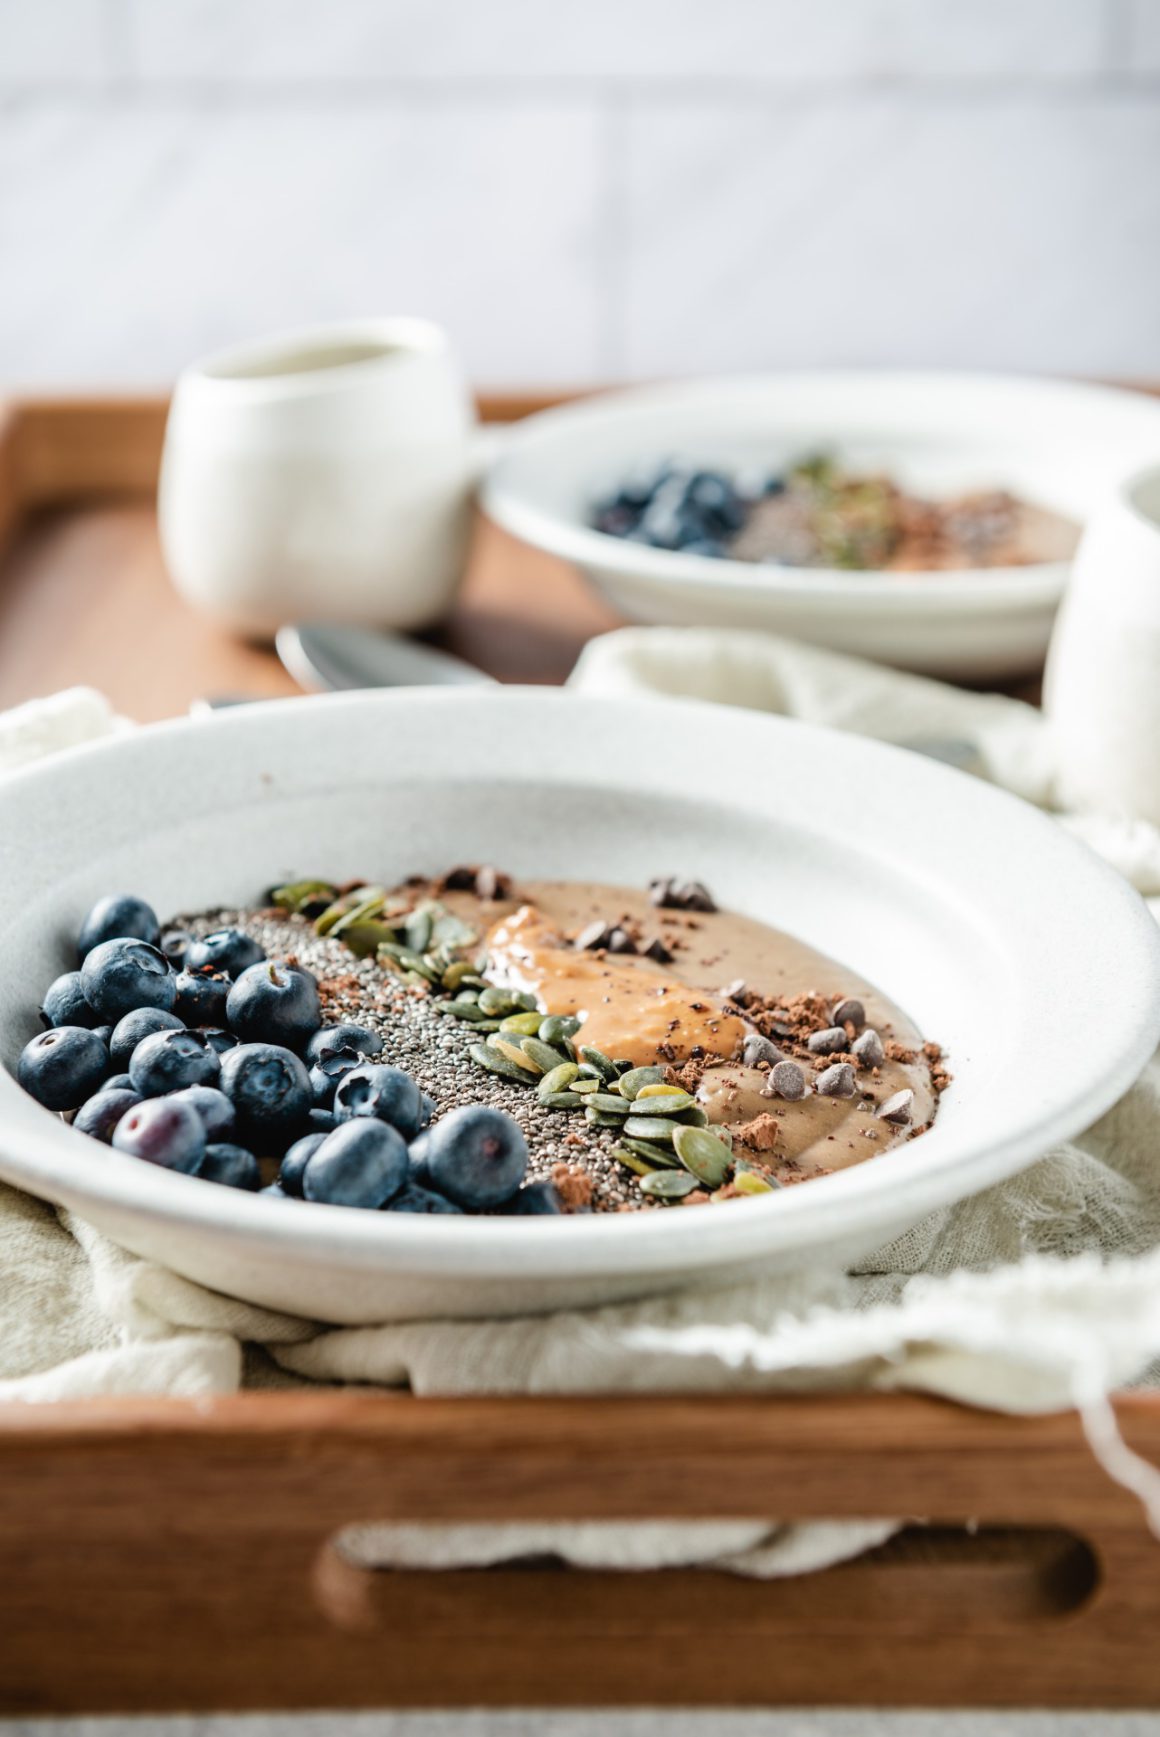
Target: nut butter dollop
{"x":630,"y":1007}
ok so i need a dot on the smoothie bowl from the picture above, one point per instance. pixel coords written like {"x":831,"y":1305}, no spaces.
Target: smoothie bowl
{"x":575,"y":1000}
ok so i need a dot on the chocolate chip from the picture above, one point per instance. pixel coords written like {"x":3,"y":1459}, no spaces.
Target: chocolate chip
{"x":868,"y":1049}
{"x":460,"y":880}
{"x":849,"y":1012}
{"x":787,"y":1080}
{"x":490,"y":884}
{"x":596,"y":935}
{"x":734,"y":991}
{"x":830,"y":1042}
{"x":657,"y":950}
{"x":620,"y":941}
{"x":836,"y":1081}
{"x":759,"y":1049}
{"x":896,"y":1109}
{"x":676,"y":895}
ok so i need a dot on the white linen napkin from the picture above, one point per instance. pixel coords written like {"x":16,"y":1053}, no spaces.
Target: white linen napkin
{"x":1038,"y":1294}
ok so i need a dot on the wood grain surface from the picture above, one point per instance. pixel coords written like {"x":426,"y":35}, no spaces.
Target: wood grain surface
{"x":165,"y":1555}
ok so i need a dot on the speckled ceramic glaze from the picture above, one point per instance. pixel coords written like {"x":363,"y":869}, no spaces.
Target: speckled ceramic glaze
{"x":977,"y":914}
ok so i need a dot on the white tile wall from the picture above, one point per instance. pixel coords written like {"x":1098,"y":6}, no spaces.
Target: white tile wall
{"x":583,"y":189}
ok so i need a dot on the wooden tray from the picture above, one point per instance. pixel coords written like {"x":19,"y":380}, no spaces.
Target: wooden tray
{"x":166,"y":1555}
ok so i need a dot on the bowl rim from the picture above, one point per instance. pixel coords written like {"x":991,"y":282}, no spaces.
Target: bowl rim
{"x":1124,"y":1029}
{"x":512,"y":503}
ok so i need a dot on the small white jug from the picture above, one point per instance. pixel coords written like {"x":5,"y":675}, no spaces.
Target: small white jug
{"x":323,"y":475}
{"x":1102,"y":687}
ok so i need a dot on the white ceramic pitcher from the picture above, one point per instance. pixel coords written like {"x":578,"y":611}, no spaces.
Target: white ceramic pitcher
{"x":1102,"y":689}
{"x":326,"y":474}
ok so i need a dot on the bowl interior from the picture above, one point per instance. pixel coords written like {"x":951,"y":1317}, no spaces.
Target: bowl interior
{"x":895,"y":866}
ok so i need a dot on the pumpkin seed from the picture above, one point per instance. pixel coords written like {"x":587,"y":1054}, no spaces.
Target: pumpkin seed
{"x":597,"y":1059}
{"x":667,"y":1185}
{"x":299,"y":895}
{"x":631,"y":1161}
{"x":451,"y":931}
{"x":558,"y":1079}
{"x":695,"y":1117}
{"x":512,"y":1052}
{"x":666,"y":1103}
{"x":662,"y":1157}
{"x":344,"y":906}
{"x":365,"y":938}
{"x":622,"y":1064}
{"x":545,"y":1057}
{"x":497,"y":1001}
{"x":363,"y":911}
{"x":703,"y":1155}
{"x":612,"y":1106}
{"x":636,"y":1079}
{"x":657,"y":1088}
{"x":585,"y":1084}
{"x":651,"y":1127}
{"x":408,"y":961}
{"x":588,"y":1072}
{"x":527,"y":1024}
{"x":486,"y":1025}
{"x":559,"y":1100}
{"x":557,"y":1026}
{"x":461,"y":1009}
{"x":490,"y":1058}
{"x":417,"y":929}
{"x":454,"y":974}
{"x":748,"y":1182}
{"x":599,"y":1118}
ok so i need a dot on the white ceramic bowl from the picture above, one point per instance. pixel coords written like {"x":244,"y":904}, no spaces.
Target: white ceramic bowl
{"x":979,"y":915}
{"x":1059,"y":445}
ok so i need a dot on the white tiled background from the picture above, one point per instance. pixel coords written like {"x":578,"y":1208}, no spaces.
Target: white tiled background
{"x":583,"y":189}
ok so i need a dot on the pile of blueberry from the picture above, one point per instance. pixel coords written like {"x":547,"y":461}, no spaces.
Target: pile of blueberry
{"x":680,"y":507}
{"x":202,"y":1055}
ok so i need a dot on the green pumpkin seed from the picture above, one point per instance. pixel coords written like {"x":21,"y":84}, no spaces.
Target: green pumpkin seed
{"x":584,"y":1084}
{"x":622,"y":1064}
{"x":346,"y":906}
{"x":559,"y":1100}
{"x":557,"y":1079}
{"x":527,"y":1024}
{"x":545,"y":1057}
{"x":497,"y":1064}
{"x":651,"y":1127}
{"x":525,"y":998}
{"x":662,"y":1104}
{"x":555,"y":1027}
{"x":365,"y":938}
{"x":631,"y":1161}
{"x":468,"y":1010}
{"x":512,"y":1052}
{"x":408,"y":961}
{"x":486,"y":1025}
{"x":299,"y":895}
{"x":597,"y":1059}
{"x":660,"y":1156}
{"x":417,"y":929}
{"x":636,"y":1079}
{"x":365,"y":911}
{"x":599,"y":1118}
{"x":748,"y":1182}
{"x":667,"y":1185}
{"x":612,"y":1106}
{"x":497,"y":1001}
{"x":451,"y":931}
{"x":703,"y":1155}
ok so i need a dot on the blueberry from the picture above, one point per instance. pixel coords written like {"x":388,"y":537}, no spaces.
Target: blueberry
{"x":119,"y":976}
{"x":162,"y":1131}
{"x":135,"y":1027}
{"x":416,"y":1199}
{"x":363,"y":1163}
{"x":709,"y":547}
{"x":63,"y":1067}
{"x":418,"y":1153}
{"x":232,"y":1166}
{"x":218,"y":1039}
{"x":64,"y":1002}
{"x":533,"y":1199}
{"x":270,"y":1092}
{"x":295,"y":1161}
{"x":171,"y":1059}
{"x":105,"y":1033}
{"x":274,"y":1003}
{"x":322,"y":1121}
{"x":174,"y":944}
{"x":225,"y":950}
{"x":214,"y":1108}
{"x":333,"y":1038}
{"x":201,"y":997}
{"x":118,"y":1083}
{"x":385,"y":1092}
{"x":476,"y":1156}
{"x":117,"y":917}
{"x":98,"y":1116}
{"x":325,"y":1075}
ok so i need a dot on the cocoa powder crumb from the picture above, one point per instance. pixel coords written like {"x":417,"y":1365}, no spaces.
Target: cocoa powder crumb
{"x":761,"y":1134}
{"x":573,"y":1185}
